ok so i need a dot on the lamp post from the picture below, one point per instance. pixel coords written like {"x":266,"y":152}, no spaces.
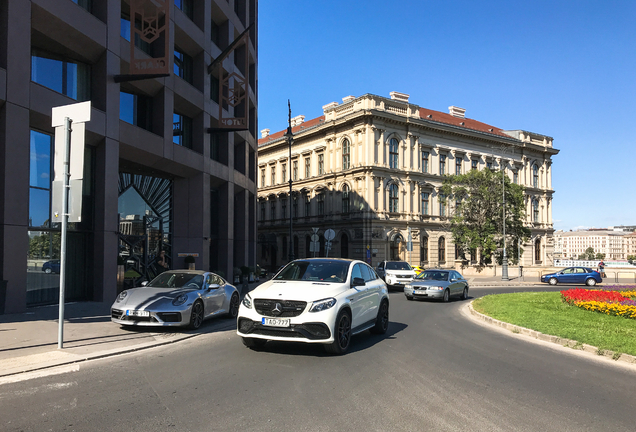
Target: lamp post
{"x":290,"y":140}
{"x":504,"y":259}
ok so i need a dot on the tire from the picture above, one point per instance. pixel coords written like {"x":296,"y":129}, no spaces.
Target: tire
{"x":382,"y":320}
{"x":590,"y":282}
{"x":47,"y":271}
{"x":446,"y":297}
{"x":342,"y":334}
{"x":234,"y":306}
{"x":553,"y":281}
{"x":465,"y":294}
{"x":196,"y":315}
{"x":253,"y":343}
{"x":410,"y":298}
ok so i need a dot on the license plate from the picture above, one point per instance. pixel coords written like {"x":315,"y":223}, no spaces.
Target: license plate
{"x":138,"y":313}
{"x":421,"y":292}
{"x":275,"y":322}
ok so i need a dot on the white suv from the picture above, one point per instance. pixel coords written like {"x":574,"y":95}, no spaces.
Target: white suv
{"x":315,"y":300}
{"x":396,"y":273}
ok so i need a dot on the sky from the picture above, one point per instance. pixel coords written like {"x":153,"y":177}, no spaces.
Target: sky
{"x":565,"y":69}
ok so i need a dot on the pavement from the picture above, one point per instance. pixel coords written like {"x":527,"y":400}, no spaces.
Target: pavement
{"x":29,"y":340}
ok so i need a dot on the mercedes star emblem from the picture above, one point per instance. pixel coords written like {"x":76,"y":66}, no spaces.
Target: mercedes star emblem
{"x":278,"y":309}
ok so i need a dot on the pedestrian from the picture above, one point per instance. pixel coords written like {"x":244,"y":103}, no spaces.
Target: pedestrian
{"x":601,"y":268}
{"x":162,"y":261}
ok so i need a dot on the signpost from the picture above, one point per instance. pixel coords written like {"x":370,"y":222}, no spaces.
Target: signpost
{"x":68,"y":172}
{"x":329,"y":235}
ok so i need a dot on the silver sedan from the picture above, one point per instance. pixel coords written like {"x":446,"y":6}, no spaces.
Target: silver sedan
{"x":176,"y":298}
{"x":437,"y":284}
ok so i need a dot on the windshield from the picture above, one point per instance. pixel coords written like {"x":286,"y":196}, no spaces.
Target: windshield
{"x":398,"y":265}
{"x":433,"y":275}
{"x":316,"y":271}
{"x":177,"y":280}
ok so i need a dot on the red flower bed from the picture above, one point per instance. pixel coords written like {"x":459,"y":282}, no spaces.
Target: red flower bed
{"x":575,"y":295}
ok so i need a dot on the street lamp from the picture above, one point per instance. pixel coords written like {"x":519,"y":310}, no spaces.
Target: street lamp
{"x":290,"y":139}
{"x":504,"y":259}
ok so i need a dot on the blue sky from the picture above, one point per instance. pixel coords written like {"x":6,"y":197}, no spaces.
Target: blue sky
{"x":566,"y":69}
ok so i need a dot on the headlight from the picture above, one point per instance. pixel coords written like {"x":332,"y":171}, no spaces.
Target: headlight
{"x":407,"y":286}
{"x":181,"y":299}
{"x":322,"y":305}
{"x":122,"y":296}
{"x":247,"y":301}
{"x":438,"y":288}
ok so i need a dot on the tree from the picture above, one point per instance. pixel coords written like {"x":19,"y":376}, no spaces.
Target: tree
{"x":589,"y":254}
{"x":477,"y":220}
{"x":600,"y":256}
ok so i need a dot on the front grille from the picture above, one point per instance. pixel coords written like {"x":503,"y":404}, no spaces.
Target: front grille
{"x":313,"y":331}
{"x":405,"y":276}
{"x":169,"y":316}
{"x":116,"y":313}
{"x":290,"y":308}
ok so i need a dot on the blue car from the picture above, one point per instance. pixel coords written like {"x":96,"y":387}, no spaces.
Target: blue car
{"x":51,"y":266}
{"x":573,"y":275}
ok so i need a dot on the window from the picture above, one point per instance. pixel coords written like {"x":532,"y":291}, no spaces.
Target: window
{"x":393,"y":198}
{"x":321,"y":204}
{"x":473,"y":164}
{"x":283,"y":208}
{"x":425,"y":161}
{"x":283,"y":172}
{"x":40,"y":180}
{"x":125,"y":33}
{"x":71,"y":78}
{"x":535,"y":210}
{"x":442,"y":205}
{"x":424,"y":250}
{"x":535,"y":176}
{"x":393,"y":153}
{"x":307,"y":167}
{"x":346,"y":156}
{"x":345,"y":199}
{"x":272,"y":209}
{"x":425,"y":197}
{"x":458,"y":207}
{"x":273,"y":173}
{"x":441,"y":250}
{"x":442,"y":164}
{"x":295,"y":207}
{"x":182,"y":130}
{"x":307,"y":205}
{"x":321,"y":164}
{"x":136,"y":110}
{"x":262,"y":211}
{"x":183,"y":65}
{"x":263,"y":177}
{"x":86,"y":4}
{"x":214,"y":88}
{"x":459,"y":253}
{"x":458,"y":166}
{"x":295,"y":170}
{"x":515,"y":176}
{"x":489,"y":164}
{"x":185,"y":6}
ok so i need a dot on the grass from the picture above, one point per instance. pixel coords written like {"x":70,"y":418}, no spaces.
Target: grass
{"x":546,"y":313}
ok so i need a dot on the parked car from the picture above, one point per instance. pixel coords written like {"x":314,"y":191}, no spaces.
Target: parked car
{"x":573,"y":275}
{"x":437,"y":284}
{"x":396,"y":274}
{"x":52,"y":266}
{"x":315,"y":300}
{"x":176,"y":298}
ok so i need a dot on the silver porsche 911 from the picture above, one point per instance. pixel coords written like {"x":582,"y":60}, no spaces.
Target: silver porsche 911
{"x":176,"y":298}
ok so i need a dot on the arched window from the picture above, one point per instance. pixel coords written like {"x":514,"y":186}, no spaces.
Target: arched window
{"x":424,"y":250}
{"x":345,"y":199}
{"x":441,"y":250}
{"x":393,"y":198}
{"x":307,"y":204}
{"x":535,"y":175}
{"x":535,"y":210}
{"x":346,"y":154}
{"x":393,"y":153}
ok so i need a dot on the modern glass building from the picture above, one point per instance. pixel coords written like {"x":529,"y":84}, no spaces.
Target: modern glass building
{"x":161,"y":173}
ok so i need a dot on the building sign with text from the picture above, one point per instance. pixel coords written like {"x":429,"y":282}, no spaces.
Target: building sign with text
{"x":150,"y":24}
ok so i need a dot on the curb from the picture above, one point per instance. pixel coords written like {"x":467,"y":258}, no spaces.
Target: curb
{"x":610,"y":355}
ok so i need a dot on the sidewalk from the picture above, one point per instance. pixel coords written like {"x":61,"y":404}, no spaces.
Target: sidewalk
{"x":28,"y":341}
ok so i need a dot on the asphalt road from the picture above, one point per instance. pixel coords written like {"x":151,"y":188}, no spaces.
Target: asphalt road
{"x":435,"y":370}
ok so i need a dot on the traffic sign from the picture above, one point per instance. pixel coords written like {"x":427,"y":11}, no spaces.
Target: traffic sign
{"x":330,"y":234}
{"x":315,"y":230}
{"x":314,"y":237}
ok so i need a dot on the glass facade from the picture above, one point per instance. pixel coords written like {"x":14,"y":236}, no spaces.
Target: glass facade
{"x":71,"y":78}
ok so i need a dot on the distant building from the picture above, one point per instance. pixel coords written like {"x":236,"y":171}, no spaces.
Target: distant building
{"x":571,"y":244}
{"x":371,"y":169}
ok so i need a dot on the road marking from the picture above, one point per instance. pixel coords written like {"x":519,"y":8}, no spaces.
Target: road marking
{"x":39,"y":374}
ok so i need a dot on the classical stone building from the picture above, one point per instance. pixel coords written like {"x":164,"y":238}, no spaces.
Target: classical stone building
{"x":614,"y":244}
{"x":370,"y":169}
{"x":161,"y":172}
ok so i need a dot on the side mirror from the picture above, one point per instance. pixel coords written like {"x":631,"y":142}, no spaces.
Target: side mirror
{"x":144,"y":283}
{"x":358,"y":281}
{"x":453,"y":280}
{"x":213,"y":286}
